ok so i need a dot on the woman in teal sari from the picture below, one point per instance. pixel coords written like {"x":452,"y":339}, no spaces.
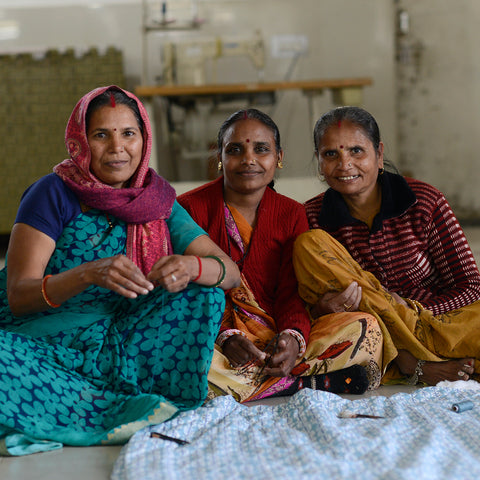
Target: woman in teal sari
{"x":110,"y":301}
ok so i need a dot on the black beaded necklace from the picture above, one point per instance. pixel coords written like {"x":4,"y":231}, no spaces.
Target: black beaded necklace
{"x":99,"y":238}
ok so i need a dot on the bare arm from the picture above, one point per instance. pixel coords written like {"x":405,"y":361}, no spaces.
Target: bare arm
{"x":29,"y":252}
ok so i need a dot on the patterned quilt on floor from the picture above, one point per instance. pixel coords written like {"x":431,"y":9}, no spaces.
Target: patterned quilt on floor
{"x":420,"y":437}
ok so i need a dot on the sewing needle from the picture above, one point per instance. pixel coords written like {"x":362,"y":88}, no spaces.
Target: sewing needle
{"x":166,"y":437}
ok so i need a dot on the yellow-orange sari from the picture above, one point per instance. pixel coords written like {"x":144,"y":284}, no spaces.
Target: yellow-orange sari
{"x":323,"y":265}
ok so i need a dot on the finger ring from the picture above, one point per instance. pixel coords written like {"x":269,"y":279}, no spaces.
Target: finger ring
{"x":461,"y":373}
{"x":347,"y":307}
{"x":174,"y":278}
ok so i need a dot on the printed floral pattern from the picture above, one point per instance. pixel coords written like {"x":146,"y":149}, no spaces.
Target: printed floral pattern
{"x":77,"y":373}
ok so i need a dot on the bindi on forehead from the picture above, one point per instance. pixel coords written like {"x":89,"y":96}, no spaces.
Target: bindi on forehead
{"x":247,"y":140}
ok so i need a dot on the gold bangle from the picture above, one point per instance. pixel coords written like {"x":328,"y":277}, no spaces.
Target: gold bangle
{"x":223,"y":271}
{"x":415,"y":305}
{"x":45,"y":296}
{"x":419,"y":307}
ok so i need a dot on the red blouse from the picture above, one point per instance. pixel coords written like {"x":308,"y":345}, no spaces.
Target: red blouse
{"x":267,"y":266}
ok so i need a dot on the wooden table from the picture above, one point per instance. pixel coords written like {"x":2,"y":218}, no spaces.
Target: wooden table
{"x":340,"y":87}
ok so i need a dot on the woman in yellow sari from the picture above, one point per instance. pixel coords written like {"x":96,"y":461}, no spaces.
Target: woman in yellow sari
{"x":415,"y":271}
{"x":267,"y":344}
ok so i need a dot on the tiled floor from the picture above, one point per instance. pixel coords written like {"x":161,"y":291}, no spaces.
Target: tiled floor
{"x":95,"y":463}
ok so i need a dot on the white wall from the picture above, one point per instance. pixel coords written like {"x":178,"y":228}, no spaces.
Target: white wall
{"x":347,"y":38}
{"x":439,"y":99}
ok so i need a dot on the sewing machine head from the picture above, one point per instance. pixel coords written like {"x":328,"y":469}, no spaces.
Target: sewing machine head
{"x":185,"y":62}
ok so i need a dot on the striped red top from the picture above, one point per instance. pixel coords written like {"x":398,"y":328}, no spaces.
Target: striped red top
{"x":416,"y":246}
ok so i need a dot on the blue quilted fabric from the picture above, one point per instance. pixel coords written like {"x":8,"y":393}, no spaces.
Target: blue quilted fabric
{"x":421,"y":437}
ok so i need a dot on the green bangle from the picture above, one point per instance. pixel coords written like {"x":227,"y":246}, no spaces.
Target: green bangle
{"x":221,"y":278}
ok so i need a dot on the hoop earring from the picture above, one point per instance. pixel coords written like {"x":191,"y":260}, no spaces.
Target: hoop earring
{"x":280,"y":164}
{"x":219,"y":165}
{"x":380,"y":171}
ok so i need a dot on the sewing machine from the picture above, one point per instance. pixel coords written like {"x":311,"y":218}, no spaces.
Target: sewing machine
{"x":186,"y":62}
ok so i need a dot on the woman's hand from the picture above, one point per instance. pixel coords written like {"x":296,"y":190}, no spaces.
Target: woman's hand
{"x":332,"y":302}
{"x":240,"y":350}
{"x":173,"y":272}
{"x":281,"y":363}
{"x":118,"y":274}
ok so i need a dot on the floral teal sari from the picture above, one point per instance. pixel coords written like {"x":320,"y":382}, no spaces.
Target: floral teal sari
{"x":100,"y":367}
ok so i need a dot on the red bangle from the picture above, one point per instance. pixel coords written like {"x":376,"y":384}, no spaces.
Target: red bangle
{"x":44,"y":293}
{"x":199,"y":269}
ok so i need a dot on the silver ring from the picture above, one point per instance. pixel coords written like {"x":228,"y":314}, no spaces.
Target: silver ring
{"x":461,"y":373}
{"x":174,"y":278}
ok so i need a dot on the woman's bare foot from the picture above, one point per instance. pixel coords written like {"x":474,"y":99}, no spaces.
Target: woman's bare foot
{"x":434,"y":372}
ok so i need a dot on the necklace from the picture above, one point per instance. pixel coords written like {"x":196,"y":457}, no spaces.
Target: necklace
{"x":110,"y":224}
{"x":108,"y":230}
{"x":98,"y":238}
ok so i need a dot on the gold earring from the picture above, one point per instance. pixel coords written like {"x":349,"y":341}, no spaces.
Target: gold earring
{"x":219,"y":165}
{"x":280,"y":164}
{"x":380,"y":171}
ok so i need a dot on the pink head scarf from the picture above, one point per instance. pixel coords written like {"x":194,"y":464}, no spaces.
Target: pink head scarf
{"x":144,"y":205}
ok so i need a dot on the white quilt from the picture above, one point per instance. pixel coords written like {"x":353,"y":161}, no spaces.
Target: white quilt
{"x":420,"y":437}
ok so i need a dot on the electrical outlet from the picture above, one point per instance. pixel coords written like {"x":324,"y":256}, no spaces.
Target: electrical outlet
{"x":288,"y":46}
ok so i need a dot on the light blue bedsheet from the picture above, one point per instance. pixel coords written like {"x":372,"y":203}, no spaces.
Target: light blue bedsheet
{"x":419,"y":438}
